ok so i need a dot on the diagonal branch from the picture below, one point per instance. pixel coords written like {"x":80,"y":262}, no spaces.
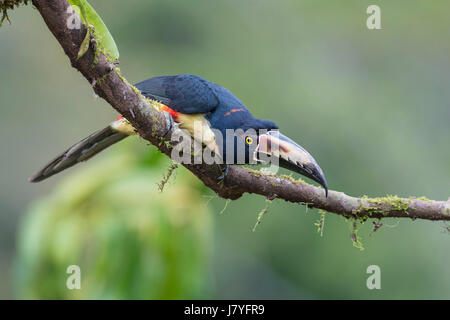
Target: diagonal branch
{"x":150,"y":123}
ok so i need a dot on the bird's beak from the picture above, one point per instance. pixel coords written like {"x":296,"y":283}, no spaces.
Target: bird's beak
{"x":290,"y":156}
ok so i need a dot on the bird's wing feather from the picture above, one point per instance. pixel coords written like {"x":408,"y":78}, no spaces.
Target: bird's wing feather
{"x":187,"y":94}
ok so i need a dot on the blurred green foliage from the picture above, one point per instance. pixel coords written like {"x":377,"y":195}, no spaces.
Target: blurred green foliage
{"x":130,"y":240}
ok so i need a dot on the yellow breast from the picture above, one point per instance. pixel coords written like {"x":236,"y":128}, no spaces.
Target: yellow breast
{"x":199,"y":128}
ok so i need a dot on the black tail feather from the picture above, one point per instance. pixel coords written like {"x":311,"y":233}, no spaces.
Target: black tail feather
{"x":81,"y":151}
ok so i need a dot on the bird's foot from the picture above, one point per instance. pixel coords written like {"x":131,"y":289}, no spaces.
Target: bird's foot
{"x":224,"y":173}
{"x":169,"y":123}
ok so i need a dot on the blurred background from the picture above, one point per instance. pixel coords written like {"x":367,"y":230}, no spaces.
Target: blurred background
{"x":372,"y":106}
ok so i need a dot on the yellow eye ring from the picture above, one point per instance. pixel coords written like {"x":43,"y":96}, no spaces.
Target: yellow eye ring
{"x":249,"y":140}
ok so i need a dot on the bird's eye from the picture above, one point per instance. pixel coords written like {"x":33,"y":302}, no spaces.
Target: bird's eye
{"x":249,"y":140}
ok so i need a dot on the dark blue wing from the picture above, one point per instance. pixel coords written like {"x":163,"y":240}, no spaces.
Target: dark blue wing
{"x":183,"y":93}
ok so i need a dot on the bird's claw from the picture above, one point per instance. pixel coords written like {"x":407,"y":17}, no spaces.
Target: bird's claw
{"x":224,"y":173}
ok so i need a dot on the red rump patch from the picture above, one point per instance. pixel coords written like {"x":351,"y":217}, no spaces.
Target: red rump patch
{"x":172,"y":112}
{"x":119,"y":117}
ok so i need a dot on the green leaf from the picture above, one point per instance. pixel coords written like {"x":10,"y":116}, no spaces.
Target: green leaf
{"x":102,"y":34}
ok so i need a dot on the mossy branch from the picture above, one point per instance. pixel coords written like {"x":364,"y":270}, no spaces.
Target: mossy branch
{"x":150,"y":123}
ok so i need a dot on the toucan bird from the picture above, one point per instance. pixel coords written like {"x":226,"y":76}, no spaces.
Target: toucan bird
{"x":191,"y":99}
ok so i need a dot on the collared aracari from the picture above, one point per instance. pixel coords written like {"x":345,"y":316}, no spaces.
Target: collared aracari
{"x":189,"y":98}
